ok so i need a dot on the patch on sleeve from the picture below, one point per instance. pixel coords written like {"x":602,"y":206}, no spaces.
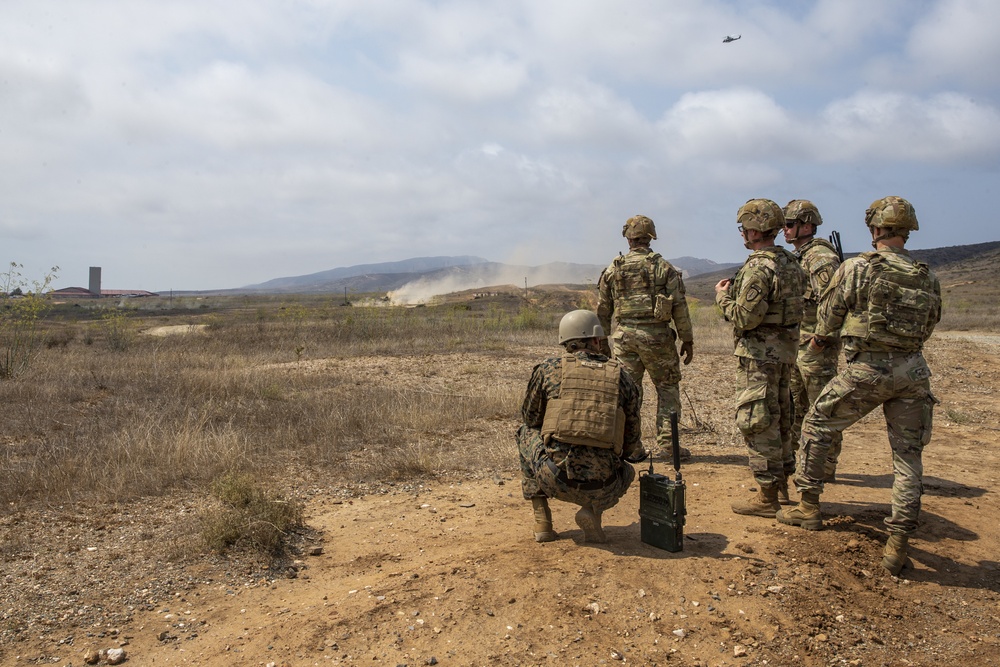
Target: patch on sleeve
{"x":823,"y":276}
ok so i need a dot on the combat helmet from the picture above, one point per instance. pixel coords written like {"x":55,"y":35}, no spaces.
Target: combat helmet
{"x":761,"y":214}
{"x":893,"y":213}
{"x":803,"y":210}
{"x":638,"y":226}
{"x":579,"y":324}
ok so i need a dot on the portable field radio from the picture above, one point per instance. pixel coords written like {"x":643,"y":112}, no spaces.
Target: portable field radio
{"x":661,"y":502}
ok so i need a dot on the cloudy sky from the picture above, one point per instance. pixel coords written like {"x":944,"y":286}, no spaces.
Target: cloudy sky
{"x":212,"y":143}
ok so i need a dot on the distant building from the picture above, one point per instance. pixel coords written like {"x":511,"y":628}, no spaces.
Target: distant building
{"x":84,"y":293}
{"x":95,"y":291}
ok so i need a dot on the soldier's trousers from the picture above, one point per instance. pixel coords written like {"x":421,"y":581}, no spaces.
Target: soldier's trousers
{"x":764,"y":417}
{"x":583,"y":475}
{"x":809,"y":375}
{"x":900,"y":383}
{"x":652,"y":348}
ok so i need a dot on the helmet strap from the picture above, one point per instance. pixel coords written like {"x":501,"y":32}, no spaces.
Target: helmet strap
{"x":801,"y":236}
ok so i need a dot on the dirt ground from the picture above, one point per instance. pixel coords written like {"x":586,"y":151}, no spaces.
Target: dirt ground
{"x":446,"y":572}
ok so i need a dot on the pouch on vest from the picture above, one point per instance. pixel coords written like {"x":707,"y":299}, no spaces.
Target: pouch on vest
{"x":663,"y":307}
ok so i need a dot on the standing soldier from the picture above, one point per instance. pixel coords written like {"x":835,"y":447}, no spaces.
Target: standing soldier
{"x":645,"y":294}
{"x":885,"y":305}
{"x":581,"y":428}
{"x":819,"y":259}
{"x":764,"y":304}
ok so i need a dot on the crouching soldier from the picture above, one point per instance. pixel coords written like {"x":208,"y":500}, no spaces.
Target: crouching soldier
{"x":581,"y":428}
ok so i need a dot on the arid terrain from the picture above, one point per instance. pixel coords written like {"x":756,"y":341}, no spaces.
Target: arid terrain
{"x":444,"y":570}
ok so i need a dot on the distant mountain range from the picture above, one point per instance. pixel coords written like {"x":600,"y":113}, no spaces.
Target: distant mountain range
{"x":416,"y":280}
{"x":439,"y":275}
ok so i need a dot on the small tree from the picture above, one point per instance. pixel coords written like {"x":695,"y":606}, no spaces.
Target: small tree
{"x":119,"y":331}
{"x":20,"y":313}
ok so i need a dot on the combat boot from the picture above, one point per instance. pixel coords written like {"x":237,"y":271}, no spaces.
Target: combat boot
{"x":764,"y":504}
{"x":543,"y":520}
{"x":894,"y":554}
{"x":667,"y":454}
{"x":783,"y":498}
{"x":590,"y":521}
{"x":806,"y":514}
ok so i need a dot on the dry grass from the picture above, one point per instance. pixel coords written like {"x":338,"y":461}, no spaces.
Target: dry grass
{"x":248,"y":515}
{"x":97,"y":420}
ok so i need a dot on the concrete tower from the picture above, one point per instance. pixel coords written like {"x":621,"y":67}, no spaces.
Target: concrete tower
{"x":95,"y":280}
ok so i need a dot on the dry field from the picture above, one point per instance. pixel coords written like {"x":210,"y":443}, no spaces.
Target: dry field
{"x":392,"y":430}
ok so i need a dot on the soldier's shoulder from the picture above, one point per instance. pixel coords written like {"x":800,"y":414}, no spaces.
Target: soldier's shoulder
{"x":614,"y":264}
{"x":548,"y":365}
{"x":820,"y":250}
{"x":761,"y":261}
{"x":664,"y":266}
{"x":859,"y":264}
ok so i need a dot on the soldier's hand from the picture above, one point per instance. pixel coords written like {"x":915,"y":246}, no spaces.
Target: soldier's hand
{"x":687,"y":351}
{"x":637,"y":456}
{"x":722,"y":285}
{"x":817,"y":343}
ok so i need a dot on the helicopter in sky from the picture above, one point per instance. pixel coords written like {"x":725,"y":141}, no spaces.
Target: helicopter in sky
{"x":730,"y":38}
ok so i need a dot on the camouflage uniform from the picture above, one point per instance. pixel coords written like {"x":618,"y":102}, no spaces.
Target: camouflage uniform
{"x":645,"y":294}
{"x":885,"y":366}
{"x":586,"y":475}
{"x":764,"y":305}
{"x":812,"y":370}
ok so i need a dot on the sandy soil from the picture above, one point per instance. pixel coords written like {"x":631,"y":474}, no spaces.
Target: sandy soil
{"x":175,"y":329}
{"x":446,"y":571}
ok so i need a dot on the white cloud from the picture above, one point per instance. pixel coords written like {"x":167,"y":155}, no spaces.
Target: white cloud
{"x":296,"y":137}
{"x":738,"y":123}
{"x":478,"y":78}
{"x":586,"y":113}
{"x":957,"y":42}
{"x":893,"y":127}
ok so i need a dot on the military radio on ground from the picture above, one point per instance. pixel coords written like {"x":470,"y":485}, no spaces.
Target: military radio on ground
{"x":661,"y":502}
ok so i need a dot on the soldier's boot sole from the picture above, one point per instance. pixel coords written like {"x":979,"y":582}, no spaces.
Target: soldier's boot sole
{"x":764,"y":504}
{"x":590,"y":522}
{"x":668,"y":455}
{"x":543,"y":520}
{"x":546,"y":536}
{"x":766,"y":511}
{"x":807,"y":518}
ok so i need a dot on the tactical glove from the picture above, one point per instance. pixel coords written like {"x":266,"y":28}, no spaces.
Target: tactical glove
{"x":637,"y":456}
{"x":687,"y":351}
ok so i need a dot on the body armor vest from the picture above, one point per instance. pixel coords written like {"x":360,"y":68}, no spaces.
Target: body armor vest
{"x":784,"y":306}
{"x":587,"y":411}
{"x":635,"y":289}
{"x":900,"y":301}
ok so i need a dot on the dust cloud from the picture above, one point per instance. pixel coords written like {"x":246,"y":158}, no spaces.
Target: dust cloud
{"x":458,"y":279}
